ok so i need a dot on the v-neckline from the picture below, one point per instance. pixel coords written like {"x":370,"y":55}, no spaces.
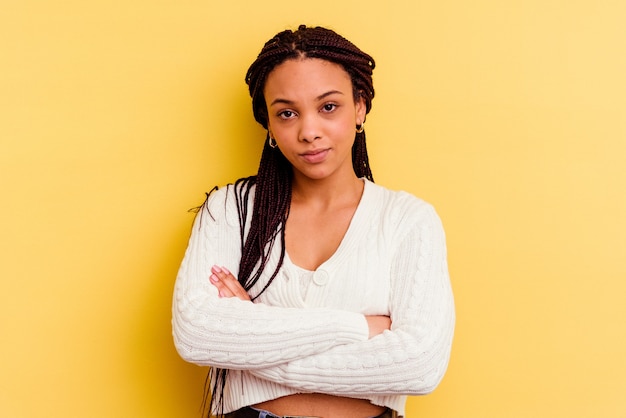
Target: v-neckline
{"x":350,"y":234}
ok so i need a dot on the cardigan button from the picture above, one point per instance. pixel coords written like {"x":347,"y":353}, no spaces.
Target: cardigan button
{"x":320,"y":277}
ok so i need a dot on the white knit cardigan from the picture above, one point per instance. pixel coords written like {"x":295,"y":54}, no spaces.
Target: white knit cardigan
{"x":391,"y":261}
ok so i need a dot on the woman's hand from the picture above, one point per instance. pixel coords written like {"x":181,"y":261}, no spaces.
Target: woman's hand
{"x":378,"y":324}
{"x":227,"y":284}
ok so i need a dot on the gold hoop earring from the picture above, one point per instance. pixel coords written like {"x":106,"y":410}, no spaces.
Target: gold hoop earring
{"x":360,"y":128}
{"x":271,"y":141}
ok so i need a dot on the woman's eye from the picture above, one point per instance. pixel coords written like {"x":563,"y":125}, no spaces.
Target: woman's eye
{"x":329,"y":107}
{"x":286,"y":114}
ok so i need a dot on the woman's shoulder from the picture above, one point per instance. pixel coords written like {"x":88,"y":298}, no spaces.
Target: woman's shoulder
{"x":402,"y":211}
{"x":398,"y":200}
{"x":242,"y":188}
{"x":403,"y":214}
{"x":224,"y":202}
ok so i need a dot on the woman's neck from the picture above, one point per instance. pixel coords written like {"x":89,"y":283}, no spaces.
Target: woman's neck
{"x":327,"y":192}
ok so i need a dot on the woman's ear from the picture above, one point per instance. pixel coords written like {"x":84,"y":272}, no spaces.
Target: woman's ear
{"x":269,"y":129}
{"x":360,"y":110}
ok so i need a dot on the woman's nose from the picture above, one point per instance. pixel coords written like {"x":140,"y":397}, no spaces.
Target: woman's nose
{"x":310,"y":129}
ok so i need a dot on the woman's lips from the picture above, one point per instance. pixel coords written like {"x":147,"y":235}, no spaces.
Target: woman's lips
{"x":315,"y":156}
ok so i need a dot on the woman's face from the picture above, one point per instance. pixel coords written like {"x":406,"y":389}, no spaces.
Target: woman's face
{"x":312,"y":116}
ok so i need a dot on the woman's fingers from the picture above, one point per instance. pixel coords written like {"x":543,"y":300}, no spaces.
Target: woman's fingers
{"x":227,"y":284}
{"x":377,"y":324}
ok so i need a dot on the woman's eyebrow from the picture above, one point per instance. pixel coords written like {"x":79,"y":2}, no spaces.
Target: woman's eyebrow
{"x":318,"y":98}
{"x":282,"y":101}
{"x":328,"y":93}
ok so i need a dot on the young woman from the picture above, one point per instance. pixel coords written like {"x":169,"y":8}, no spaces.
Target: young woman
{"x":308,"y":289}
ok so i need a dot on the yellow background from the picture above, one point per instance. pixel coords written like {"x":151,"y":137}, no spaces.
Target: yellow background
{"x":117,"y":116}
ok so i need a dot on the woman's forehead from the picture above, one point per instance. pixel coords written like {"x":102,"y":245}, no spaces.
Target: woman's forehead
{"x":307,"y":76}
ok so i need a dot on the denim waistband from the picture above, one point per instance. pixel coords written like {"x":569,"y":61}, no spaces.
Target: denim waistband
{"x":249,"y":412}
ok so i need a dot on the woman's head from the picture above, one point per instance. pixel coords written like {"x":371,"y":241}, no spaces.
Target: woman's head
{"x":310,"y":42}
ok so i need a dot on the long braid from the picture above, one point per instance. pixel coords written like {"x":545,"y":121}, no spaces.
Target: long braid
{"x":270,"y":210}
{"x":360,"y":159}
{"x":272,"y":196}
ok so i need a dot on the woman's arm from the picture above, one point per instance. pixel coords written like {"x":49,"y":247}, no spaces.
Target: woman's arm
{"x":413,"y":356}
{"x":235,"y":334}
{"x":229,"y":287}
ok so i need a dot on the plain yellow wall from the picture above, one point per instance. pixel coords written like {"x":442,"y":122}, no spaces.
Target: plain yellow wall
{"x":117,"y":116}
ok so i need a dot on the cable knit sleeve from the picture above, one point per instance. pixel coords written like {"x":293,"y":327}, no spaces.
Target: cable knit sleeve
{"x":413,"y":356}
{"x":241,"y":335}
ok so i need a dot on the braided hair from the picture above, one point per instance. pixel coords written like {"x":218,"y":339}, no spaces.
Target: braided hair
{"x":272,"y":196}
